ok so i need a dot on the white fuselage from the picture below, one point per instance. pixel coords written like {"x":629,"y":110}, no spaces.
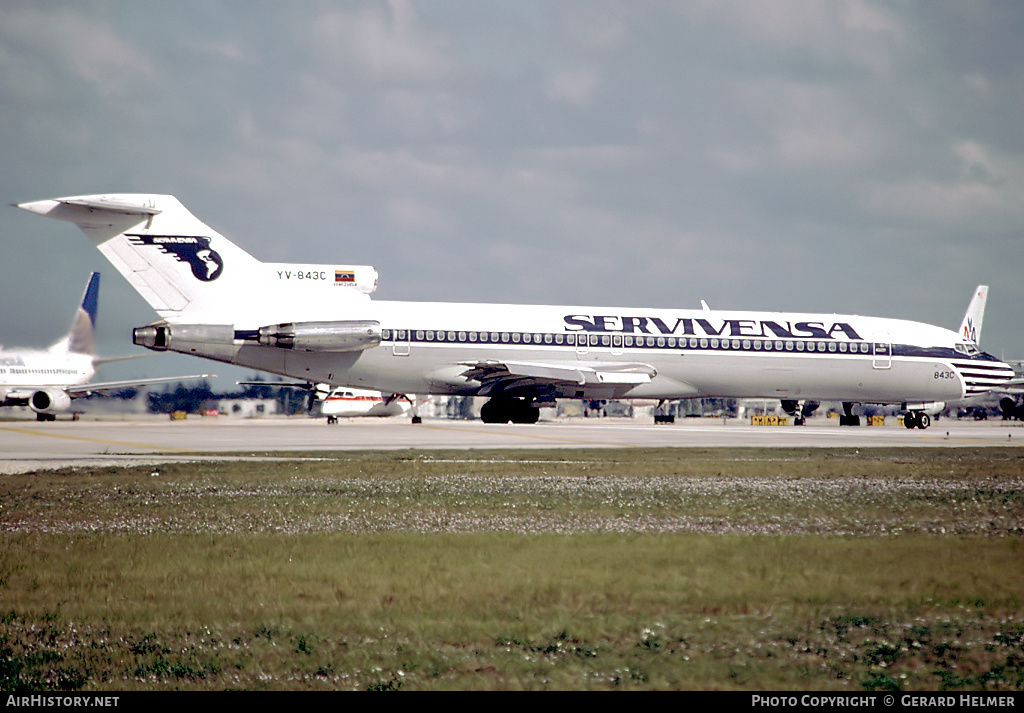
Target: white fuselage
{"x":25,"y":371}
{"x":694,"y":353}
{"x":348,"y":402}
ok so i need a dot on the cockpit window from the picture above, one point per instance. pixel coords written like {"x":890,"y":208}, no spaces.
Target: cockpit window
{"x":967,"y":348}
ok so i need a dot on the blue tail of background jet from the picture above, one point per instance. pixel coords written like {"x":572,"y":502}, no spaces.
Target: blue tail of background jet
{"x":81,"y":335}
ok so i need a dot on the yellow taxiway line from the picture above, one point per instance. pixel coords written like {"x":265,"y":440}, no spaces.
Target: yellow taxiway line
{"x":95,"y":440}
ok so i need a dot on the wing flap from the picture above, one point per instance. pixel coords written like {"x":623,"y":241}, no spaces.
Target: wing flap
{"x":581,"y":374}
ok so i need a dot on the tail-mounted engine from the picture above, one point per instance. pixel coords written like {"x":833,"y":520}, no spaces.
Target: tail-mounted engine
{"x":213,"y":341}
{"x":350,"y":336}
{"x":223,"y":341}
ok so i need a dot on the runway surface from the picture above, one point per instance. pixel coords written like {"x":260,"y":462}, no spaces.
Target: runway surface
{"x":26,"y":446}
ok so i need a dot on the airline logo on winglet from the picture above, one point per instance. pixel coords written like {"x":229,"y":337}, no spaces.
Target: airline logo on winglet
{"x":205,"y":262}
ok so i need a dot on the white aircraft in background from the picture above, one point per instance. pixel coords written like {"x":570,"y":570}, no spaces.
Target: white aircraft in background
{"x":317,"y":323}
{"x":336,"y":402}
{"x":347,"y":402}
{"x":47,"y":380}
{"x":970,"y":329}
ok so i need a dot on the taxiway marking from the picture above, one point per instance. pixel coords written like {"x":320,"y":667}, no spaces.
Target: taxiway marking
{"x":95,"y":440}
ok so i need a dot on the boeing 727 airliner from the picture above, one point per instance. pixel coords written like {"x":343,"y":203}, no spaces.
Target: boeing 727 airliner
{"x":46,"y":380}
{"x":318,"y":323}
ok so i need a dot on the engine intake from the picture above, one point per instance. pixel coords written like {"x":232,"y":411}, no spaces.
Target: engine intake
{"x":48,"y":401}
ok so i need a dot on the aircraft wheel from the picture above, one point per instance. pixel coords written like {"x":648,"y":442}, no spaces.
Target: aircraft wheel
{"x":505,"y":410}
{"x":494,"y":411}
{"x":923,"y":421}
{"x":525,"y":413}
{"x":910,"y":419}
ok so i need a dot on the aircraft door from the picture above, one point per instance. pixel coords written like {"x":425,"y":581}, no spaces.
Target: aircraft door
{"x":582,"y":345}
{"x":401,"y":344}
{"x":881,"y":353}
{"x":616,"y":344}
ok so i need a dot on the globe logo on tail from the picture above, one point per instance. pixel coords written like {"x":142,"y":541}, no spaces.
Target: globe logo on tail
{"x":206,"y":263}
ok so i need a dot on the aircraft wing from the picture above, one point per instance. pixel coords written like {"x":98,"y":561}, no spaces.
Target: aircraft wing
{"x":1013,"y":386}
{"x":99,"y":361}
{"x":85,"y":389}
{"x":497,"y":376}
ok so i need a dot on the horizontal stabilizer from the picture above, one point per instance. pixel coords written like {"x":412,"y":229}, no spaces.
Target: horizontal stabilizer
{"x":111,"y":206}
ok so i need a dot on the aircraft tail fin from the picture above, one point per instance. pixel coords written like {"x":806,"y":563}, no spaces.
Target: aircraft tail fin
{"x":189,"y":272}
{"x":81,"y":336}
{"x":970,"y":328}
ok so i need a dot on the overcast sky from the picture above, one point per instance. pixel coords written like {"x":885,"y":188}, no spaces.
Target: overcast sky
{"x":840,"y":156}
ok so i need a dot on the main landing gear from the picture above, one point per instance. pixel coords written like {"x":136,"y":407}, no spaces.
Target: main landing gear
{"x":799,"y":410}
{"x":504,"y":409}
{"x":917,"y":419}
{"x":847,"y":418}
{"x":1011,"y":409}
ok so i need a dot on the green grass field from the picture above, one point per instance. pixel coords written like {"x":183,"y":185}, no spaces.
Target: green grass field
{"x":620,"y":569}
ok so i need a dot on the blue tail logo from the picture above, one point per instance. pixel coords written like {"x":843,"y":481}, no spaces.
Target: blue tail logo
{"x":206,"y":263}
{"x":83,"y":327}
